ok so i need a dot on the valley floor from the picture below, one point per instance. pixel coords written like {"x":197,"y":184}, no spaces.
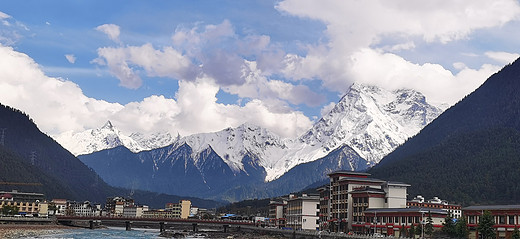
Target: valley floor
{"x":25,"y":231}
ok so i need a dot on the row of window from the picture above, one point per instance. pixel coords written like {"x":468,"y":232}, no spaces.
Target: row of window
{"x":499,"y":219}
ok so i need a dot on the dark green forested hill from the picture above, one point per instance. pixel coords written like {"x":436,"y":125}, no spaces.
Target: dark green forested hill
{"x":30,"y":156}
{"x":470,"y":153}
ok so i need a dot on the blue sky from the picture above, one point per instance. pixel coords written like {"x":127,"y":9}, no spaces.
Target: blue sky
{"x":199,"y":66}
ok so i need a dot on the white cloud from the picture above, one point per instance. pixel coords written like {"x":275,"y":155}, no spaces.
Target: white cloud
{"x":111,"y":30}
{"x":209,"y":47}
{"x":63,"y":108}
{"x":70,"y":58}
{"x":354,"y":28}
{"x":502,"y":57}
{"x":327,"y":108}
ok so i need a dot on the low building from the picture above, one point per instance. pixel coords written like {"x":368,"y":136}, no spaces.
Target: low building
{"x":392,"y":221}
{"x":27,"y":203}
{"x":160,"y":213}
{"x":303,"y":212}
{"x":454,"y":210}
{"x":507,"y":218}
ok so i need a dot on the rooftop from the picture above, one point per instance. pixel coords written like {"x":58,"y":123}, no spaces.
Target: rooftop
{"x":493,"y":207}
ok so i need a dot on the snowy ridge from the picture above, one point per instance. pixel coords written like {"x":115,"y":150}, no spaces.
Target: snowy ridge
{"x":370,"y":120}
{"x":108,"y":137}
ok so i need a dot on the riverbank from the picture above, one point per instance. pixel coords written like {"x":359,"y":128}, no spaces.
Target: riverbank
{"x":27,"y":230}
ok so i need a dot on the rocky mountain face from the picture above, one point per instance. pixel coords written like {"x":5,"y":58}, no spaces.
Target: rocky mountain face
{"x":366,"y":124}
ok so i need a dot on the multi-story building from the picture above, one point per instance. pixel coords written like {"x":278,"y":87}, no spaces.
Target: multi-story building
{"x":134,"y":211}
{"x":59,"y":206}
{"x":84,"y":209}
{"x":506,"y":217}
{"x":277,"y":213}
{"x":114,"y":205}
{"x":369,"y":192}
{"x":395,"y":221}
{"x":179,"y":210}
{"x":454,"y":210}
{"x":27,"y":203}
{"x":303,"y":211}
{"x":324,"y":206}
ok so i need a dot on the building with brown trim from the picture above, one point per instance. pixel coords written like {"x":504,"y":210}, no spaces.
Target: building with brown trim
{"x":455,"y":210}
{"x":392,"y":221}
{"x":507,"y":218}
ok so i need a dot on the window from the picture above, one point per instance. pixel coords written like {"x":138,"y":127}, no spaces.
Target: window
{"x":471,"y":219}
{"x":511,"y":220}
{"x":501,"y":219}
{"x":396,"y":219}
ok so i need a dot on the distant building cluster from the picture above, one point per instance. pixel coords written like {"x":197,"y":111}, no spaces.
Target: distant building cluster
{"x":355,"y":203}
{"x":35,"y":205}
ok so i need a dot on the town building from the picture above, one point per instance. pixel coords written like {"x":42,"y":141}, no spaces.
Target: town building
{"x":58,"y":207}
{"x":83,"y":209}
{"x":159,"y":213}
{"x":454,"y":210}
{"x":351,"y":193}
{"x":506,"y":219}
{"x":27,"y":203}
{"x":277,"y":212}
{"x":179,"y":210}
{"x":324,"y":206}
{"x":115,"y":205}
{"x":303,"y":212}
{"x":396,"y":221}
{"x":134,"y":211}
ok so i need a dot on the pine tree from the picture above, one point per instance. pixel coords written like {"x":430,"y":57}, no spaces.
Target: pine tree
{"x":461,"y":228}
{"x":448,"y":226}
{"x":411,"y":231}
{"x":485,"y":226}
{"x":428,"y":228}
{"x":516,"y":234}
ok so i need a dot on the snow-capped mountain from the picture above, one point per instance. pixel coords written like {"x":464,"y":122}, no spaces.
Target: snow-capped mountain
{"x":108,"y":137}
{"x":249,"y":161}
{"x":370,"y":120}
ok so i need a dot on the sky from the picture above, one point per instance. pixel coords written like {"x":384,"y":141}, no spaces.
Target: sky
{"x":197,"y":66}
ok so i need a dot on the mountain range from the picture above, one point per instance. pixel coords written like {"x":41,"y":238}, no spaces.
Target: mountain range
{"x":33,"y":162}
{"x":471,"y":152}
{"x":249,"y":161}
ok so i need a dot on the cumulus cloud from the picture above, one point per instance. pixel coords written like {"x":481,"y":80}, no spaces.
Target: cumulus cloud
{"x":63,"y":108}
{"x":354,"y":28}
{"x":502,"y":57}
{"x":70,"y":58}
{"x":111,"y":30}
{"x":214,"y":52}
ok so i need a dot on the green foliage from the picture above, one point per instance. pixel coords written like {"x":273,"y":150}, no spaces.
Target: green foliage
{"x":516,"y":234}
{"x":485,"y":226}
{"x":461,"y":228}
{"x":428,"y":228}
{"x":418,"y":229}
{"x":448,"y":226}
{"x":411,"y":230}
{"x":9,"y":210}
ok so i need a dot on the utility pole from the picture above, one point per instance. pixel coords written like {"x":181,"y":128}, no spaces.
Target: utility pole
{"x":2,"y":136}
{"x":33,"y":157}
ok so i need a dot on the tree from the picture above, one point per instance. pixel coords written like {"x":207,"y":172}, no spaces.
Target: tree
{"x":411,"y":231}
{"x":485,"y":225}
{"x":9,"y":210}
{"x":428,"y":228}
{"x":516,"y":234}
{"x":448,"y":226}
{"x":418,"y":230}
{"x":461,"y":228}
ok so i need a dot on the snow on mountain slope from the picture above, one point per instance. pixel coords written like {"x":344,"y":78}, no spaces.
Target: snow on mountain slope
{"x":107,"y":137}
{"x":370,"y":120}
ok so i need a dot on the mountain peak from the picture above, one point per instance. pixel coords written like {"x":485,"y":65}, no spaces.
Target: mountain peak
{"x":108,"y":125}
